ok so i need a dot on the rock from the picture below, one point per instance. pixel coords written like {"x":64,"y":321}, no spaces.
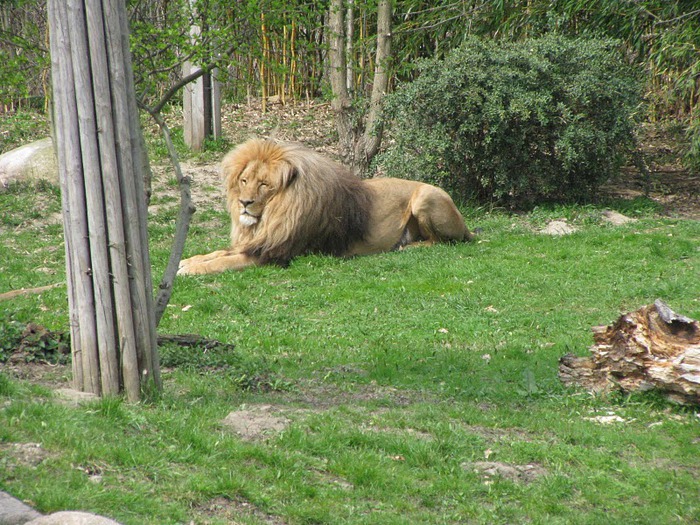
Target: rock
{"x":72,"y":518}
{"x":616,"y":219}
{"x":34,"y":161}
{"x":74,"y":398}
{"x":14,"y":512}
{"x":559,"y":227}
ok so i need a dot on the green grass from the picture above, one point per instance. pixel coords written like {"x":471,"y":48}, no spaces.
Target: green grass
{"x":17,"y":129}
{"x":397,"y":372}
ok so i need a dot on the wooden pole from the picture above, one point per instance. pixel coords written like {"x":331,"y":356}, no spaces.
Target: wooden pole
{"x":101,"y":167}
{"x":80,"y":293}
{"x":201,"y":101}
{"x":137,"y":188}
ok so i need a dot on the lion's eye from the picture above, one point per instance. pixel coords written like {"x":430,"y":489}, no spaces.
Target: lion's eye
{"x":263,"y":185}
{"x":244,"y":182}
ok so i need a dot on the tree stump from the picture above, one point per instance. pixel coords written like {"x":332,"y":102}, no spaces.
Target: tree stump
{"x":653,"y":348}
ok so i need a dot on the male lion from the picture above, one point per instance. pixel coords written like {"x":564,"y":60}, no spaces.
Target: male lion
{"x":286,"y":200}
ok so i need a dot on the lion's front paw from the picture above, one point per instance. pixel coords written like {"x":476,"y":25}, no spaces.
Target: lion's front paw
{"x":191,"y":266}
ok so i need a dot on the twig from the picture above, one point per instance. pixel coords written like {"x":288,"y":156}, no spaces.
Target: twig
{"x":182,"y":224}
{"x":26,"y":291}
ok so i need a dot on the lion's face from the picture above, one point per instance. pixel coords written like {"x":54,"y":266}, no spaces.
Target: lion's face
{"x":253,"y":188}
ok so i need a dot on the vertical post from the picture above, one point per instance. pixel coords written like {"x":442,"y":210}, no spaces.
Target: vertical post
{"x":201,"y":101}
{"x":194,"y":121}
{"x":215,"y":104}
{"x":101,"y":172}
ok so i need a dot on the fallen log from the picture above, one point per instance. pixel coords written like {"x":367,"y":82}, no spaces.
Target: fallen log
{"x":194,"y":340}
{"x":653,"y":348}
{"x":26,"y":291}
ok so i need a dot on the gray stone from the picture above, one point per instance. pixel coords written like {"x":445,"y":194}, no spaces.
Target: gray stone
{"x":14,"y":512}
{"x":34,"y":161}
{"x":74,"y":398}
{"x":72,"y":518}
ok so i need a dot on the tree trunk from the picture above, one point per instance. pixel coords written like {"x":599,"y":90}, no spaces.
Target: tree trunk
{"x":359,"y":137}
{"x":342,"y":104}
{"x":100,"y":159}
{"x":349,"y":43}
{"x":368,"y":144}
{"x":650,"y":349}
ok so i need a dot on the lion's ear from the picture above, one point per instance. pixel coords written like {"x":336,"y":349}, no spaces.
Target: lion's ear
{"x":232,"y":166}
{"x":287,"y":173}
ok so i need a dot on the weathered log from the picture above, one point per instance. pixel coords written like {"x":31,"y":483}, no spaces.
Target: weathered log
{"x":190,"y":340}
{"x":653,"y":348}
{"x":26,"y":291}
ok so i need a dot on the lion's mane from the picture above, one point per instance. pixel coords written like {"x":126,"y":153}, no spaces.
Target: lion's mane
{"x":319,"y":206}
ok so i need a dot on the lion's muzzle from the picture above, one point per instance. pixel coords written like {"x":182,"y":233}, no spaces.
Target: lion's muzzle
{"x":246,"y":219}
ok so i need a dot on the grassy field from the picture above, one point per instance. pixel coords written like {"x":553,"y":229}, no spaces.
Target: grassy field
{"x":412,"y":387}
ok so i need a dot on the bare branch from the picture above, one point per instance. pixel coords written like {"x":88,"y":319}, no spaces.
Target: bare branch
{"x":182,"y":224}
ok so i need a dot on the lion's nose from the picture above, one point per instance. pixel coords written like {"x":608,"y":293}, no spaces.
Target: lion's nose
{"x":245,"y":202}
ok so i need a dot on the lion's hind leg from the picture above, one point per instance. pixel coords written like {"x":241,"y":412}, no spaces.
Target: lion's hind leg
{"x":436,"y":217}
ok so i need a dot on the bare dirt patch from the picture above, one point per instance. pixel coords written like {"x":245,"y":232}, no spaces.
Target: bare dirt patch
{"x":257,"y":422}
{"x":233,"y":509}
{"x":674,"y":188}
{"x":492,"y":470}
{"x":22,"y":455}
{"x":668,"y":182}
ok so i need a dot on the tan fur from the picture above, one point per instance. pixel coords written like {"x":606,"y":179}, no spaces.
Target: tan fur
{"x":285,"y":200}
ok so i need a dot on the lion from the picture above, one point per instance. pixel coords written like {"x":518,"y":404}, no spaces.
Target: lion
{"x":286,"y":200}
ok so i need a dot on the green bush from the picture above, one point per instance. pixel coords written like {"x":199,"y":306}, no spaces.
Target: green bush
{"x":515,"y":123}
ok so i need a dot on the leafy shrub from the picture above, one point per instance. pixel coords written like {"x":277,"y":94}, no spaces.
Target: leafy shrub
{"x":32,"y":343}
{"x":10,"y":338}
{"x":515,"y":123}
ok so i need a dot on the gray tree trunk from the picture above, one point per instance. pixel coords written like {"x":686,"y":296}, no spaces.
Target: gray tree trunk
{"x":359,"y":137}
{"x":101,"y":172}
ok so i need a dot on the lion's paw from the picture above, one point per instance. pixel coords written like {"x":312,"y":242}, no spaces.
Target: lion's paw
{"x":191,"y":267}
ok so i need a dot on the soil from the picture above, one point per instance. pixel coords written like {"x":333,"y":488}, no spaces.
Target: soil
{"x":674,"y":188}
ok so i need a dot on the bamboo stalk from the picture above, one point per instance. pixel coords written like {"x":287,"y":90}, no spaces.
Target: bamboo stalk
{"x":263,"y":68}
{"x":293,"y":61}
{"x":283,"y":83}
{"x":349,"y":34}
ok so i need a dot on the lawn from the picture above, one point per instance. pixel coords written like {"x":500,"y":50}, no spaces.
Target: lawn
{"x":412,"y":387}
